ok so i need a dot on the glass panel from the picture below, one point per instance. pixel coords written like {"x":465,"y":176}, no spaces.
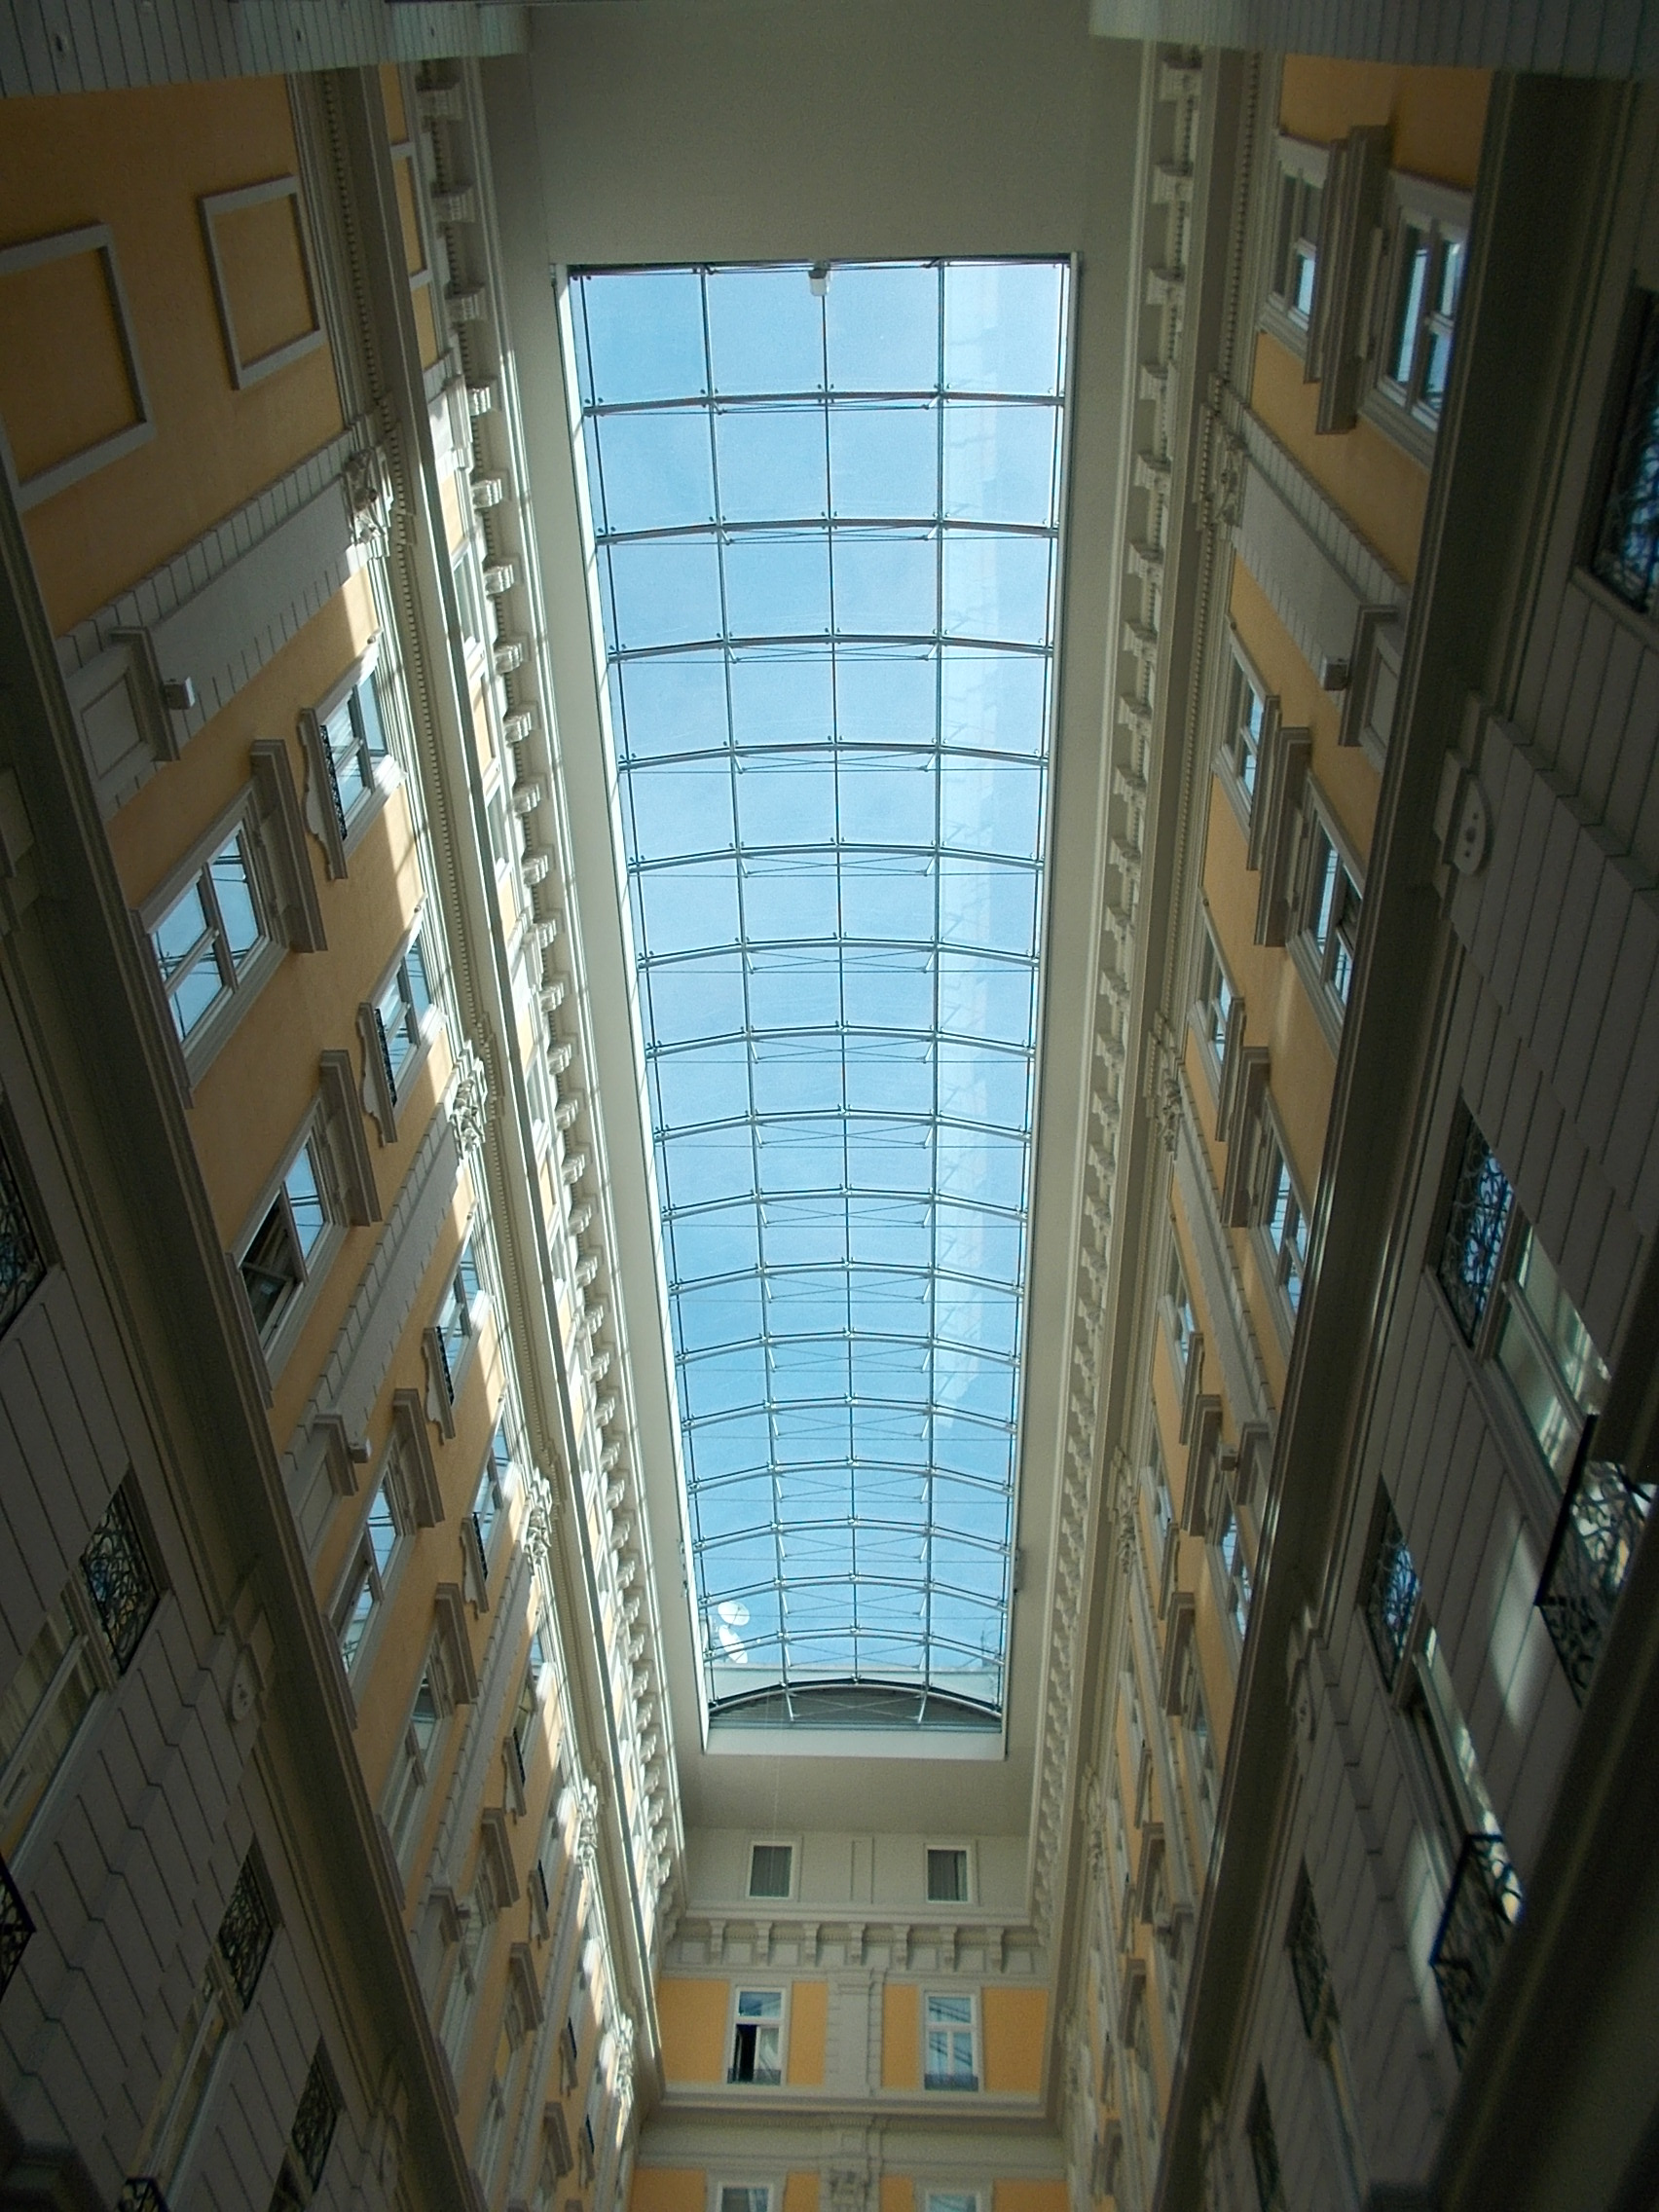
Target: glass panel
{"x":39,"y":1715}
{"x":817,"y":801}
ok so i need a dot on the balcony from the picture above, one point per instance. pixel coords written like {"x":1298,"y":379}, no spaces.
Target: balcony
{"x":1484,"y":1905}
{"x":1600,"y":1521}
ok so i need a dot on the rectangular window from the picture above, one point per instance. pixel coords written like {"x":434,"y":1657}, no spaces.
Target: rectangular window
{"x":1264,"y":2149}
{"x":1215,"y":999}
{"x":757,"y":2038}
{"x":459,"y":1317}
{"x":1625,"y":552}
{"x":1234,"y":1567}
{"x":947,"y":2043}
{"x":745,"y":2196}
{"x":469,"y":605}
{"x":296,"y":1237}
{"x":401,"y":1015}
{"x":1242,"y":733}
{"x":1284,"y":1225}
{"x":415,"y":1762}
{"x":947,"y":1877}
{"x":355,"y":743}
{"x":1330,"y":904}
{"x":207,"y":936}
{"x":1296,"y":243}
{"x":1182,"y":1326}
{"x":369,"y":1574}
{"x":1425,"y":254}
{"x":86,"y":1643}
{"x":489,"y":1504}
{"x":1510,"y":1306}
{"x":771,"y":1869}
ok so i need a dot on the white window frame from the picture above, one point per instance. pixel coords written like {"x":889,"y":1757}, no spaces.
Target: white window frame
{"x":1270,"y":1247}
{"x":1217,"y":1013}
{"x":789,"y":1843}
{"x":1180,"y":1321}
{"x":244,"y":825}
{"x":1320,"y":964}
{"x":1302,"y":166}
{"x":948,"y":2199}
{"x":497,"y":1478}
{"x":952,"y":2083}
{"x":963,"y":1845}
{"x":364,"y":1570}
{"x":752,"y":1990}
{"x":461,"y":1312}
{"x":1240,"y":676}
{"x":317,"y":1142}
{"x":1442,"y":214}
{"x":756,"y":2196}
{"x":387,"y":1087}
{"x":415,"y":1764}
{"x":339,"y":829}
{"x":471,"y":598}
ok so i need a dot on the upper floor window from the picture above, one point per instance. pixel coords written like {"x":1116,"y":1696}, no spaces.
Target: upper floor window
{"x":757,"y":2036}
{"x":1510,"y":1305}
{"x":458,"y":1316}
{"x":1326,"y":901}
{"x":22,"y":1258}
{"x":1284,"y":1225}
{"x":355,"y":737}
{"x":416,"y":1760}
{"x":1424,"y":280}
{"x":947,"y":1875}
{"x":209,"y":931}
{"x":1178,"y":1307}
{"x":1625,"y":541}
{"x":1243,"y":729}
{"x":86,"y":1643}
{"x":400,"y":1012}
{"x":745,"y":2196}
{"x":1264,"y":2149}
{"x":1215,"y":999}
{"x":771,"y":1869}
{"x":291,"y":1244}
{"x":1235,"y":1565}
{"x":949,"y":2057}
{"x":369,"y":1571}
{"x":1296,"y":231}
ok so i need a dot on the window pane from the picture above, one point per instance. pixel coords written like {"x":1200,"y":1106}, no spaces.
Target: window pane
{"x":233,"y":886}
{"x":39,"y":1715}
{"x":304,"y":1201}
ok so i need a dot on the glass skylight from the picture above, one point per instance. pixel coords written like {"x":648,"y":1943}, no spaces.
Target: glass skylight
{"x":825,"y":509}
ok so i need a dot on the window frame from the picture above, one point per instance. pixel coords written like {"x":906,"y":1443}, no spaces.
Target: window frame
{"x":241,"y":824}
{"x":769,"y":2192}
{"x":338,"y":828}
{"x":953,"y":2082}
{"x":274,"y":1341}
{"x":791,"y":1844}
{"x":1271,"y":1248}
{"x":1302,"y":166}
{"x":386,"y":1089}
{"x":403,"y":1808}
{"x":1442,"y":214}
{"x":1240,"y":676}
{"x":363,"y":1569}
{"x":1180,"y":1319}
{"x":735,"y":2024}
{"x":963,"y":1850}
{"x":1221,"y":1009}
{"x":1315,"y":962}
{"x":461,"y":1315}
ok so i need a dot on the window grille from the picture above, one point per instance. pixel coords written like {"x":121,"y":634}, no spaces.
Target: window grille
{"x":119,"y":1581}
{"x":312,"y":2130}
{"x":141,"y":2192}
{"x":23,"y":1263}
{"x":1475,"y":1226}
{"x":1264,"y":2149}
{"x":1625,"y":556}
{"x":1589,"y":1561}
{"x":1391,"y":1596}
{"x":245,"y":1932}
{"x":16,"y":1926}
{"x":1484,"y":1905}
{"x":1306,"y":1947}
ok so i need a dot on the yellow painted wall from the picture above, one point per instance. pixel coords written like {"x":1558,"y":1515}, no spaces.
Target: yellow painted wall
{"x":140,"y":161}
{"x":1437,"y":115}
{"x":1028,"y":2196}
{"x":693,"y":2015}
{"x":897,"y":2193}
{"x":900,"y":2036}
{"x":809,"y":2026}
{"x":1013,"y":2022}
{"x":668,"y":2189}
{"x":801,"y":2192}
{"x":1376,"y":484}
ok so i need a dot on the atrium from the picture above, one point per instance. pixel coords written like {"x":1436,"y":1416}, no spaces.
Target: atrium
{"x":829,"y":1058}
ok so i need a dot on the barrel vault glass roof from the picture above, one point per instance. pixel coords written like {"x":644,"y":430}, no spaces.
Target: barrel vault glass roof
{"x":825,"y":509}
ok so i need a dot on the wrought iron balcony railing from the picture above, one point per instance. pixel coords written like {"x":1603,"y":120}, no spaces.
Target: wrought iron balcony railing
{"x":1484,"y":1905}
{"x":16,"y":1926}
{"x":1601,"y":1519}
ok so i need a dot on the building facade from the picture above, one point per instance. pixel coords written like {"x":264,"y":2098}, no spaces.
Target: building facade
{"x":366,"y":1830}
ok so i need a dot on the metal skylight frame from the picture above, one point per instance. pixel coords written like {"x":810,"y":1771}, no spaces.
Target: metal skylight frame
{"x":827,"y":822}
